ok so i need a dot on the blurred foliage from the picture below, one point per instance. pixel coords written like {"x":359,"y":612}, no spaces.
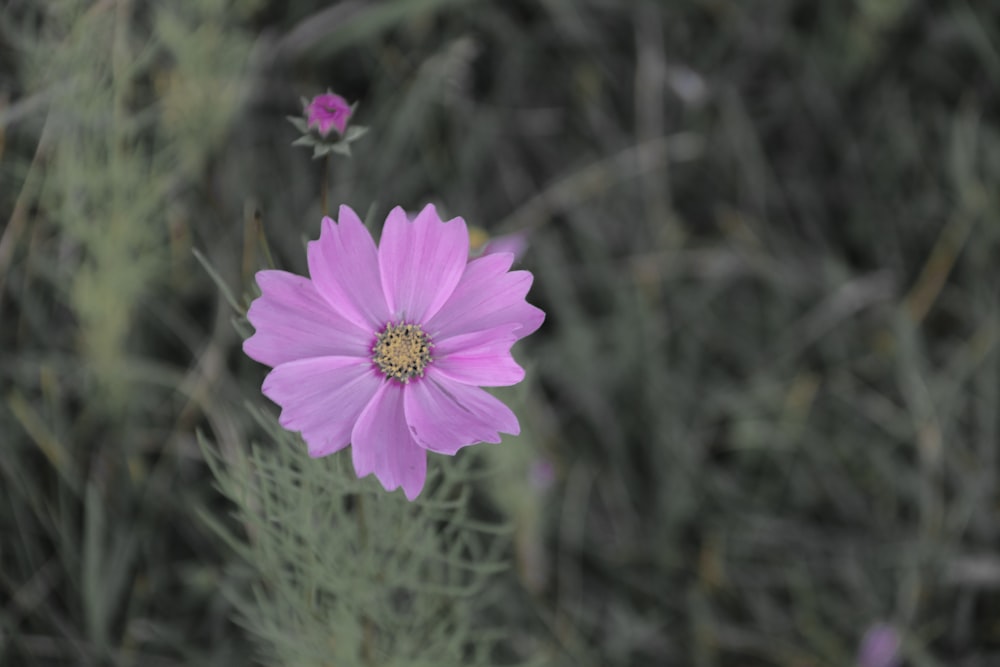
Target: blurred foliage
{"x":765,"y":233}
{"x":106,"y":372}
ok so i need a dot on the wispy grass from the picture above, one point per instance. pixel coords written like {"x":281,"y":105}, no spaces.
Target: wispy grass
{"x":344,"y":573}
{"x":133,"y":102}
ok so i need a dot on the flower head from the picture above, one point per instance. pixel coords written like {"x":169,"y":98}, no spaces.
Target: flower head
{"x":386,"y":347}
{"x":328,"y":110}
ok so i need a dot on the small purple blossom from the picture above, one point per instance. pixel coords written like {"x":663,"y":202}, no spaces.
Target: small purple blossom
{"x":328,"y":110}
{"x":385,"y":348}
{"x":541,"y":474}
{"x":880,"y":647}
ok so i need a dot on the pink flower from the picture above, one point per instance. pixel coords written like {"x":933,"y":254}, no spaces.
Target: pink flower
{"x":385,"y":348}
{"x":328,"y":110}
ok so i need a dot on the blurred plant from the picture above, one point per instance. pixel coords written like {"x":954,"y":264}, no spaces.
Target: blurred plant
{"x":542,"y":474}
{"x":880,"y":647}
{"x":130,"y":100}
{"x":117,"y":159}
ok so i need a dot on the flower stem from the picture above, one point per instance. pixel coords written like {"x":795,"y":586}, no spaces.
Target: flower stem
{"x":323,"y":185}
{"x":368,"y":641}
{"x":251,"y":239}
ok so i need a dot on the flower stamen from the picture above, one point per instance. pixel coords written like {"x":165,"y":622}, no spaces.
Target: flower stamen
{"x":402,"y":351}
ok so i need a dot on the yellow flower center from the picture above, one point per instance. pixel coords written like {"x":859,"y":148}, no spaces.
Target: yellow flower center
{"x":402,"y":351}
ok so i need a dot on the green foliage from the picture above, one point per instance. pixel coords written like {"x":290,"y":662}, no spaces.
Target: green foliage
{"x":117,"y":157}
{"x":123,"y":109}
{"x":345,"y":573}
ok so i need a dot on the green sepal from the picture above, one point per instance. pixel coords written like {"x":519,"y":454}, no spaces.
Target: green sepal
{"x":355,"y":132}
{"x":306,"y":140}
{"x":299,"y":123}
{"x":319,"y":150}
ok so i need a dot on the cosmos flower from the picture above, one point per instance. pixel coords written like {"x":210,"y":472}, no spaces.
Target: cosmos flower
{"x":328,"y":110}
{"x":386,"y":348}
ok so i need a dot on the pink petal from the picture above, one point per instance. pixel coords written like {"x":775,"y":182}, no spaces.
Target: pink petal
{"x":343,"y":264}
{"x":445,"y":416}
{"x":487,"y":296}
{"x":381,"y":443}
{"x":322,"y":397}
{"x":515,"y":244}
{"x":294,"y":322}
{"x":421,"y":262}
{"x":482,"y":358}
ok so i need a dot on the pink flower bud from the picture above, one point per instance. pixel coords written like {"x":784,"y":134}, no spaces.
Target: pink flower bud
{"x":328,"y":110}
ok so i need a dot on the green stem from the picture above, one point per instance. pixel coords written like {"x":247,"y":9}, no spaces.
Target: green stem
{"x":262,"y":237}
{"x":323,"y":185}
{"x":368,"y":641}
